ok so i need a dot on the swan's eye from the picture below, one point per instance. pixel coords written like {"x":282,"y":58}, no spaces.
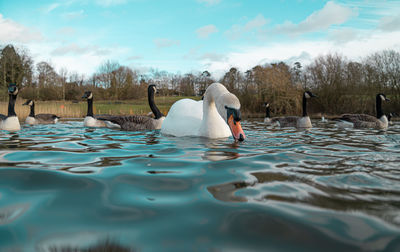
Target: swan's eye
{"x":233,"y":112}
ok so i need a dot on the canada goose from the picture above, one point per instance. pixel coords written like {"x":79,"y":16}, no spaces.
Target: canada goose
{"x":217,"y":116}
{"x":39,"y":118}
{"x":366,"y":121}
{"x":139,"y":122}
{"x":10,"y":122}
{"x":390,"y":116}
{"x":91,"y":120}
{"x":267,"y":118}
{"x":296,"y":121}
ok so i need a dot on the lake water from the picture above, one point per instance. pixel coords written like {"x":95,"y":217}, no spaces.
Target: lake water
{"x":65,"y":187}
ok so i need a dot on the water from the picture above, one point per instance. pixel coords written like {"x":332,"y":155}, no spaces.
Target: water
{"x":68,"y":187}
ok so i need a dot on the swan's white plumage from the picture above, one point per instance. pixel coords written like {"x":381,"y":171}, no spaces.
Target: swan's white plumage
{"x":184,"y":118}
{"x":205,"y":118}
{"x":10,"y":123}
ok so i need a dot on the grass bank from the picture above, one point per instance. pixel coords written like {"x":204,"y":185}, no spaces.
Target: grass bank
{"x":68,"y":109}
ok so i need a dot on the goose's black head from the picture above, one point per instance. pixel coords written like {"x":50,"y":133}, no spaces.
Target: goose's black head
{"x":12,"y":89}
{"x":382,"y":97}
{"x":266,"y":104}
{"x":308,"y":95}
{"x":87,"y":95}
{"x":152,"y":89}
{"x":28,"y":103}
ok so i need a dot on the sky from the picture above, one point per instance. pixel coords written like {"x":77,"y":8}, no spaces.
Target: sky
{"x":181,"y":36}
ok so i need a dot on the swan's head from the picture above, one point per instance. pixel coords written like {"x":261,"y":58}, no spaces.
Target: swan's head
{"x":13,"y":89}
{"x":28,"y":102}
{"x":87,"y":95}
{"x":382,"y":97}
{"x":308,"y":95}
{"x":228,"y":107}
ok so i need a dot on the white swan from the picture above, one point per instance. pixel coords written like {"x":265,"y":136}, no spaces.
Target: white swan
{"x":217,"y":116}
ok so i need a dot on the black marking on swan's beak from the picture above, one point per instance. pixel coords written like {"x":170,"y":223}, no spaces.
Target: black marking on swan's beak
{"x":233,"y":120}
{"x":235,"y":113}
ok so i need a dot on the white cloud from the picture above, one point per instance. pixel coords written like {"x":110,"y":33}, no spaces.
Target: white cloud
{"x":80,"y":59}
{"x":205,"y":31}
{"x":390,"y":23}
{"x":236,"y":31}
{"x":134,"y":57}
{"x":12,"y":32}
{"x":74,"y":14}
{"x":163,"y":42}
{"x":215,"y":57}
{"x":51,"y":7}
{"x":209,"y":2}
{"x":74,"y":49}
{"x":66,"y":31}
{"x":330,"y":14}
{"x":344,"y":35}
{"x":107,"y":3}
{"x":306,"y":50}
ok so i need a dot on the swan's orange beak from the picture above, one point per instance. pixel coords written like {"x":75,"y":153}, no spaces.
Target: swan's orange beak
{"x":236,"y":129}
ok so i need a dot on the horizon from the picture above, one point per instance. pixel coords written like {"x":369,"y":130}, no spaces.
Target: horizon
{"x":197,"y":35}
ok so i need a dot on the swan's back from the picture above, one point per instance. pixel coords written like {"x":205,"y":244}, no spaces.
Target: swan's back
{"x":184,"y":118}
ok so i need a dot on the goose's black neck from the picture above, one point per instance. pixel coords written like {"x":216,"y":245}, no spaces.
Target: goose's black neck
{"x":304,"y":105}
{"x":153,"y":107}
{"x":267,"y":112}
{"x":11,"y":105}
{"x":89,"y":107}
{"x":379,"y":112}
{"x":32,"y":113}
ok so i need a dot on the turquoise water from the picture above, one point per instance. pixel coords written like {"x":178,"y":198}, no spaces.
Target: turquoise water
{"x":65,"y":186}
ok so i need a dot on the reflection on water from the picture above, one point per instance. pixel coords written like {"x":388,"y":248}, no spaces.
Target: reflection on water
{"x":64,"y":187}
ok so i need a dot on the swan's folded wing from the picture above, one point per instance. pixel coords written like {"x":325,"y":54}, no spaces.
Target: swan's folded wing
{"x":184,"y":118}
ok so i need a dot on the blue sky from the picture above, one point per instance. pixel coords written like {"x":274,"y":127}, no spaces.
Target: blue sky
{"x":181,"y":36}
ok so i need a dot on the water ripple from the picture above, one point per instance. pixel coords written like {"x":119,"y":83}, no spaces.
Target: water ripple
{"x":65,"y":187}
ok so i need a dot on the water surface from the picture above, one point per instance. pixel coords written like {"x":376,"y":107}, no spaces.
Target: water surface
{"x":66,"y":186}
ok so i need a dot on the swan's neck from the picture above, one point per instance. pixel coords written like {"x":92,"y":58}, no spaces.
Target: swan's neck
{"x":379,"y":112}
{"x":210,"y":101}
{"x":32,"y":113}
{"x":153,"y":107}
{"x":90,"y":107}
{"x":267,"y":112}
{"x":304,"y":105}
{"x":11,"y":105}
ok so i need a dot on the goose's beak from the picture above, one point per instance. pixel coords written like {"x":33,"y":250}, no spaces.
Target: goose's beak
{"x":236,"y":129}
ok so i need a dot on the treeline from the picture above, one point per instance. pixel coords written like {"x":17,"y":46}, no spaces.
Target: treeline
{"x":341,"y":85}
